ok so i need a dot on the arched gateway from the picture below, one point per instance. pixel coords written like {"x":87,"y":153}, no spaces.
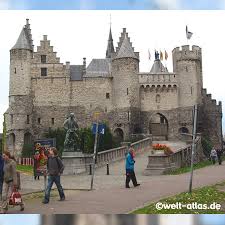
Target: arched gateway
{"x":158,"y":126}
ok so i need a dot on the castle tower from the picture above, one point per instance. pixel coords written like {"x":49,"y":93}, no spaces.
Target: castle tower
{"x":125,"y":68}
{"x":110,"y":47}
{"x":20,"y":104}
{"x":187,"y":64}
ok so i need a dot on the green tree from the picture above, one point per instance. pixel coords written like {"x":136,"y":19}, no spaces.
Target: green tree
{"x":27,"y":150}
{"x":59,"y":134}
{"x":86,"y":139}
{"x":206,"y":145}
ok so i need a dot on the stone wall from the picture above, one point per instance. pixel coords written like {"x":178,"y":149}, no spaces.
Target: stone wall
{"x":188,"y":64}
{"x":19,"y":83}
{"x":159,"y":98}
{"x":210,"y":119}
{"x":177,"y":118}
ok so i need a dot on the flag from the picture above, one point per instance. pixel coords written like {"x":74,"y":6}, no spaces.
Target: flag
{"x":188,"y":33}
{"x":161,"y":56}
{"x":149,"y":55}
{"x":166,"y":55}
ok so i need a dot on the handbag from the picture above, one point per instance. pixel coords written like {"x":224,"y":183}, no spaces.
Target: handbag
{"x":15,"y":198}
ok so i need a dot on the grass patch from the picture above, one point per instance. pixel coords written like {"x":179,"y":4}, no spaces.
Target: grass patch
{"x":187,"y":169}
{"x":25,"y":168}
{"x":207,"y":195}
{"x":39,"y":195}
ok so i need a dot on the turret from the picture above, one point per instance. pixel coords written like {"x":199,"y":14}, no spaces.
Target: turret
{"x":125,"y":68}
{"x":20,"y":60}
{"x":110,"y":47}
{"x":20,"y":102}
{"x":187,"y":63}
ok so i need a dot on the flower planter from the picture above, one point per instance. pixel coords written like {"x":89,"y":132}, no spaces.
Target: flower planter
{"x":158,"y":152}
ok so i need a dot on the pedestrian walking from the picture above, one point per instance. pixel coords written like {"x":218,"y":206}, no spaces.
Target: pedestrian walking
{"x":213,"y":155}
{"x":55,"y":168}
{"x":130,"y":174}
{"x":36,"y":175}
{"x":10,"y":183}
{"x":1,"y":175}
{"x":219,"y":152}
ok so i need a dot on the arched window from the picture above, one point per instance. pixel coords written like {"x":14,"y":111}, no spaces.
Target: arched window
{"x":183,"y":130}
{"x":27,"y":138}
{"x":157,"y":98}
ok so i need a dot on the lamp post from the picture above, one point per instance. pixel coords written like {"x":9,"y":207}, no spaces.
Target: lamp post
{"x":95,"y":149}
{"x":193,"y":147}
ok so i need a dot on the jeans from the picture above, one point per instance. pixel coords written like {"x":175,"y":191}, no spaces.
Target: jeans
{"x":1,"y":187}
{"x":54,"y":179}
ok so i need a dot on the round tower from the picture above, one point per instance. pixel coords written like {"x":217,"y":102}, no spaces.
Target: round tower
{"x":125,"y":68}
{"x":187,"y":64}
{"x":20,"y":102}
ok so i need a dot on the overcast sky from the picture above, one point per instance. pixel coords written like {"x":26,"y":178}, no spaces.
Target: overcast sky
{"x":112,"y":4}
{"x":19,"y":219}
{"x":78,"y":34}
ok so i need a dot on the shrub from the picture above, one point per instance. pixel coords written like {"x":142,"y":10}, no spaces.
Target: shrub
{"x":206,"y":145}
{"x":27,"y":151}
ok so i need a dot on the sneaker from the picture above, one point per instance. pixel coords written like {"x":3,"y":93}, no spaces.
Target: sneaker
{"x":62,"y":199}
{"x":22,"y":208}
{"x":45,"y":201}
{"x":137,"y":185}
{"x":127,"y":186}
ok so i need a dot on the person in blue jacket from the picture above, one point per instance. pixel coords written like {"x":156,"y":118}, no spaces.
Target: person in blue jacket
{"x":130,"y":174}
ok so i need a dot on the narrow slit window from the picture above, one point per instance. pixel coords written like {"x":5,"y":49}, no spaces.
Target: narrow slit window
{"x":39,"y":120}
{"x":11,"y":119}
{"x":28,"y":119}
{"x":53,"y":121}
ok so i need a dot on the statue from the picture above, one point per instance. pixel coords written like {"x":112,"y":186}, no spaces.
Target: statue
{"x":71,"y":139}
{"x":156,"y":55}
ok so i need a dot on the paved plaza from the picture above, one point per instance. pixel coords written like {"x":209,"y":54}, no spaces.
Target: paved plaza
{"x":110,"y":195}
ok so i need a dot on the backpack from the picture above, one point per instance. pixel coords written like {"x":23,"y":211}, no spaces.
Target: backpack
{"x":57,"y":160}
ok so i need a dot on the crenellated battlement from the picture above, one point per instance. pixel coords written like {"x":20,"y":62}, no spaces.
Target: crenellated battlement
{"x":212,"y":102}
{"x":186,"y":53}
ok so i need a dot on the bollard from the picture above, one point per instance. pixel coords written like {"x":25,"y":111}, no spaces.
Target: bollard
{"x":90,"y":169}
{"x":107,"y":166}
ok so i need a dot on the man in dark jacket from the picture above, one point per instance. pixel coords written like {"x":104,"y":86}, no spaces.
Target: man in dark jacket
{"x":54,"y":169}
{"x":219,"y":152}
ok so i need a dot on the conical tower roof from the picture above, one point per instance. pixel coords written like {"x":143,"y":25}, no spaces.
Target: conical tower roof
{"x":110,"y":47}
{"x":126,"y":50}
{"x":158,"y":67}
{"x":24,"y":40}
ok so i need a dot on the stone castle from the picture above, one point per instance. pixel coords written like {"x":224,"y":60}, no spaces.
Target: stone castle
{"x":43,"y":91}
